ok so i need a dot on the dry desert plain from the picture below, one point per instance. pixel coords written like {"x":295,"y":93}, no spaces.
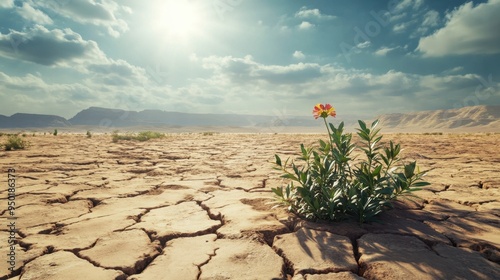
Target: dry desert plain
{"x":199,"y":206}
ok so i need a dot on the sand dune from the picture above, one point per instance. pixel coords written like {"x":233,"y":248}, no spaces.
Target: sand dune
{"x":473,"y":118}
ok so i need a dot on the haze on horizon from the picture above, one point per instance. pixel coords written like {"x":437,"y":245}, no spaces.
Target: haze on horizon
{"x":248,"y":56}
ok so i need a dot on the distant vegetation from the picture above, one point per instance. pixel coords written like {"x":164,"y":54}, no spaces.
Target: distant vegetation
{"x":55,"y":132}
{"x":141,"y":136}
{"x":89,"y":134}
{"x":208,"y":133}
{"x":14,"y":142}
{"x":433,"y":133}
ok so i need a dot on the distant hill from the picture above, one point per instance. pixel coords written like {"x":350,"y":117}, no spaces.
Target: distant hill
{"x":21,"y":120}
{"x":95,"y":116}
{"x":477,"y":117}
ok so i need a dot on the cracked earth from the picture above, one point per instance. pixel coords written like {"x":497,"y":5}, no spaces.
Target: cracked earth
{"x":194,"y":206}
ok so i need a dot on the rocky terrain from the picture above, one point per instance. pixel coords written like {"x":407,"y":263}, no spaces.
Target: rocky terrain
{"x":199,"y":206}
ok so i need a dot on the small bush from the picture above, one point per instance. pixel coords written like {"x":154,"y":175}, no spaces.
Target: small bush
{"x":329,"y":186}
{"x":146,"y":135}
{"x":208,"y":133}
{"x":89,"y":134}
{"x":55,"y":132}
{"x":15,"y":142}
{"x":142,"y":136}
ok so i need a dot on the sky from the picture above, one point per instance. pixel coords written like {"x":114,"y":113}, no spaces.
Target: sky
{"x":259,"y":57}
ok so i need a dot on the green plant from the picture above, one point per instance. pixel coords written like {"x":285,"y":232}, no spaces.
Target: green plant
{"x":15,"y":142}
{"x":55,"y":132}
{"x":208,"y":133}
{"x":141,"y":136}
{"x":89,"y":134}
{"x":146,"y":135}
{"x":329,"y":186}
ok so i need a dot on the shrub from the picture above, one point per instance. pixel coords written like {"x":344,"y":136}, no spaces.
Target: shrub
{"x":208,"y":133}
{"x":15,"y":142}
{"x":142,"y":136}
{"x":329,"y":186}
{"x":146,"y":135}
{"x":89,"y":135}
{"x":55,"y":132}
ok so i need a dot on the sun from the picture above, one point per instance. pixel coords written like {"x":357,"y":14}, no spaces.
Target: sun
{"x":179,"y":18}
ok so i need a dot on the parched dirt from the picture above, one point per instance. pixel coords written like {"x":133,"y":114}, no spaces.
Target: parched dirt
{"x":200,"y":206}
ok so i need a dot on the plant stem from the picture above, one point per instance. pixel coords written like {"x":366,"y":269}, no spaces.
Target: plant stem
{"x":329,"y":134}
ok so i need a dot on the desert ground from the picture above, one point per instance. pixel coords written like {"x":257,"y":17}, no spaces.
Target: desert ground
{"x":200,"y":206}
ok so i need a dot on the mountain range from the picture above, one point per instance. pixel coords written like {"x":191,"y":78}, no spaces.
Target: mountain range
{"x":477,"y":117}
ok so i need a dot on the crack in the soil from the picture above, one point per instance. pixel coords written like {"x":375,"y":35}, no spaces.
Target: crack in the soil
{"x":356,"y":254}
{"x":210,"y":256}
{"x":287,"y":264}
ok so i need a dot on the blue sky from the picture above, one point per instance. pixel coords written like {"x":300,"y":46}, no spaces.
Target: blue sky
{"x":248,"y":56}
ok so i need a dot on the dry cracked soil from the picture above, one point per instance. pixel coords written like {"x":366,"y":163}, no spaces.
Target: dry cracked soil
{"x":200,"y":206}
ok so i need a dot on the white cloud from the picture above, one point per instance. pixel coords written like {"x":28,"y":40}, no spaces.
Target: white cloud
{"x":49,"y":47}
{"x":118,"y":73}
{"x":384,"y":51}
{"x":284,"y":29}
{"x":6,"y":4}
{"x":298,"y":55}
{"x":100,"y":13}
{"x":431,"y":18}
{"x":468,"y":30}
{"x":244,"y":70}
{"x":364,"y":45}
{"x":33,"y":93}
{"x":401,"y":27}
{"x":304,"y":12}
{"x":408,"y":4}
{"x":67,"y":49}
{"x":404,"y":9}
{"x":31,"y":14}
{"x":305,"y":25}
{"x":454,"y":70}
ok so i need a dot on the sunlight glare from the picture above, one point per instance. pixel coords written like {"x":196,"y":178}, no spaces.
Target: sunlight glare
{"x":179,"y":18}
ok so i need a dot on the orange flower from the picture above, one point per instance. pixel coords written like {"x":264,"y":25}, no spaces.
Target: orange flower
{"x":323,"y":111}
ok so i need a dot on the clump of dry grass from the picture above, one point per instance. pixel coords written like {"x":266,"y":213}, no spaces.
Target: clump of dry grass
{"x":141,"y":136}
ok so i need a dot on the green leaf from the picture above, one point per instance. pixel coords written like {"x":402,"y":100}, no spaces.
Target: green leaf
{"x":377,"y":170}
{"x":341,"y":127}
{"x":374,"y":124}
{"x":410,"y":169}
{"x":421,"y":184}
{"x":278,"y":191}
{"x":362,"y":124}
{"x":289,"y":176}
{"x":278,"y":160}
